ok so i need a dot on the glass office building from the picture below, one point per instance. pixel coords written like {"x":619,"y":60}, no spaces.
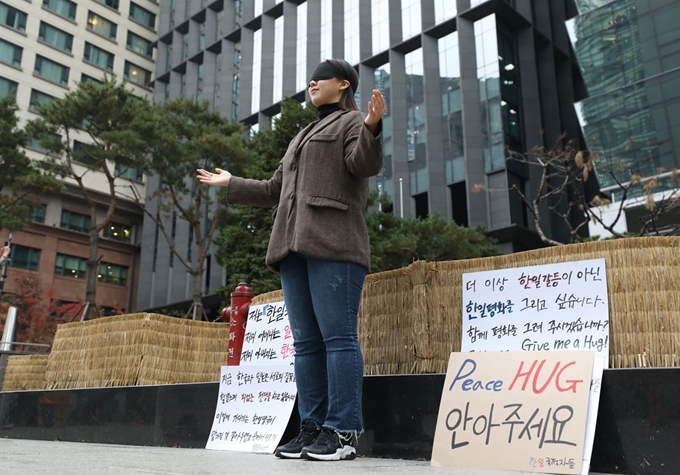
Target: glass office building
{"x":629,"y":54}
{"x":463,"y":80}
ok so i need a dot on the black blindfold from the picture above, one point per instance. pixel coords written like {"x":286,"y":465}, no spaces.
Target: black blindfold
{"x":326,"y":70}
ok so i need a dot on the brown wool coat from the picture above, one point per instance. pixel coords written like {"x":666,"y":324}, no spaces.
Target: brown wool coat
{"x":321,"y":188}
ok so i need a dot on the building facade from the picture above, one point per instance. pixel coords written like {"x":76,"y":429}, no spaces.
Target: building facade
{"x":463,"y":79}
{"x":629,"y":55}
{"x":46,"y":48}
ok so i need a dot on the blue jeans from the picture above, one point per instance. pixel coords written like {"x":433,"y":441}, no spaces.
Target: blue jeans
{"x":322,"y":298}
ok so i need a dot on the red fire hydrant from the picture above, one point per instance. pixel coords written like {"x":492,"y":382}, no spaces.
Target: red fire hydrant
{"x":237,"y":315}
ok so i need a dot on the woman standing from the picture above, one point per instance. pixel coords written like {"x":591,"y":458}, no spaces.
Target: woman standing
{"x":319,"y":244}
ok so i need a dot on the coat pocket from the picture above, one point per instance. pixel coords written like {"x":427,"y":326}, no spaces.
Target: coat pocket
{"x":323,"y":202}
{"x":323,"y":138}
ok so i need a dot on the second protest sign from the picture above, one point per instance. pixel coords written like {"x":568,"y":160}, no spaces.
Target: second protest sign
{"x":514,"y":411}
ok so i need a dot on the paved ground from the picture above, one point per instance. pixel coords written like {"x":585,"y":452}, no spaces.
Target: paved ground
{"x":29,"y":457}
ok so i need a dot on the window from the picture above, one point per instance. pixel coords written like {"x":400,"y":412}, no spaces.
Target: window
{"x":70,"y":266}
{"x":34,"y":143}
{"x":326,"y":42}
{"x":443,"y":10}
{"x":168,"y":57}
{"x":39,"y":213}
{"x":12,"y":17}
{"x":381,"y":25}
{"x":78,"y":152}
{"x":119,"y":232}
{"x":55,"y":37}
{"x":110,"y":3}
{"x":86,"y":78}
{"x":7,"y":87}
{"x":185,"y":45}
{"x":65,"y":8}
{"x":352,"y":36}
{"x":136,"y":74}
{"x":410,"y":20}
{"x":301,"y":79}
{"x":139,"y":45}
{"x":277,"y":93}
{"x":131,"y":173}
{"x":101,"y":26}
{"x":24,"y":257}
{"x":257,"y":71}
{"x":10,"y":53}
{"x":75,"y":221}
{"x":142,"y":16}
{"x":201,"y":36}
{"x":37,"y":99}
{"x":98,"y":57}
{"x":48,"y":69}
{"x":113,"y":274}
{"x":110,"y":311}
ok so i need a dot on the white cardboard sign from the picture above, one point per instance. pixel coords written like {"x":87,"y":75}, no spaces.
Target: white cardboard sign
{"x":253,"y":408}
{"x":562,"y":306}
{"x":268,"y":338}
{"x":257,"y":397}
{"x":523,"y":411}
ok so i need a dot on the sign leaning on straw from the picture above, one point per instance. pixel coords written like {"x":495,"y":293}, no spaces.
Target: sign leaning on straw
{"x":256,"y":398}
{"x":542,"y":309}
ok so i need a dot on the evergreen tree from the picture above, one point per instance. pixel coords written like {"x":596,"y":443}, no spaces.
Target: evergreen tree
{"x":117,"y":128}
{"x":17,"y":171}
{"x":193,"y":137}
{"x":397,"y":242}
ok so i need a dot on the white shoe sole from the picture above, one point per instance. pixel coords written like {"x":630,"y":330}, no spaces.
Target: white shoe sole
{"x":289,"y":455}
{"x":345,"y":453}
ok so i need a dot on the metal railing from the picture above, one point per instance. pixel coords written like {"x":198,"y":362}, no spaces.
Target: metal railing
{"x":11,"y":344}
{"x":9,"y":334}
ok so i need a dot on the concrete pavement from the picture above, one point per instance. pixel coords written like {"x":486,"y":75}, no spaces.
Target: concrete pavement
{"x":29,"y":457}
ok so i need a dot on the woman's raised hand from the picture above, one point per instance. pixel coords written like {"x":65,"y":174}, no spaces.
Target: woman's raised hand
{"x":376,"y":109}
{"x":219,"y":178}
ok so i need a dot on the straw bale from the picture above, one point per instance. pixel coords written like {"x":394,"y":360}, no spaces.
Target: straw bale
{"x":410,"y":321}
{"x":386,"y":319}
{"x":269,"y":297}
{"x":136,"y":349}
{"x":25,"y":372}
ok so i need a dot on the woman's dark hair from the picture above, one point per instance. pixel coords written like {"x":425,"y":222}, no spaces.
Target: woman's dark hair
{"x":350,"y":74}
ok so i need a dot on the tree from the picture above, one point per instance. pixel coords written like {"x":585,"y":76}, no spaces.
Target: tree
{"x":36,"y":320}
{"x":244,"y":230}
{"x":397,"y":242}
{"x":117,"y":129}
{"x":18,"y":171}
{"x":194,"y":137}
{"x":568,"y":191}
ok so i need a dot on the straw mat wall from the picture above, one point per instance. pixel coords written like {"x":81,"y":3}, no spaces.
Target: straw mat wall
{"x":136,"y":349}
{"x":274,"y":296}
{"x":410,"y":319}
{"x":25,"y":372}
{"x":409,"y":322}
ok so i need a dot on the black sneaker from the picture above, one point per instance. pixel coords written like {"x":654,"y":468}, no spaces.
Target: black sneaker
{"x":331,"y":445}
{"x":293,"y":449}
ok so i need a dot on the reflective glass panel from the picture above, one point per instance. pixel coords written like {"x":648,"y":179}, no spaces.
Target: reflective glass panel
{"x":352,"y":31}
{"x":410,"y":18}
{"x":301,"y":78}
{"x":380,"y":10}
{"x":257,"y":66}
